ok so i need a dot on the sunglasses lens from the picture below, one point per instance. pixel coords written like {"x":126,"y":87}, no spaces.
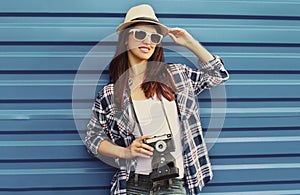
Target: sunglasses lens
{"x":140,"y":35}
{"x":155,"y":38}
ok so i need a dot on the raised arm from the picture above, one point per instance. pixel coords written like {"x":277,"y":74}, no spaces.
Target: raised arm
{"x":211,"y":71}
{"x":183,"y":38}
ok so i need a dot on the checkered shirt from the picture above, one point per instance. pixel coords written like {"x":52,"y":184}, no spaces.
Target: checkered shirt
{"x":115,"y":125}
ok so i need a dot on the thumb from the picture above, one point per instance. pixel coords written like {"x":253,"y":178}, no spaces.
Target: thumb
{"x":172,"y":36}
{"x":143,"y":137}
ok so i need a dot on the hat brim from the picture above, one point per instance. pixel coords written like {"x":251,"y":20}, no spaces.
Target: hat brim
{"x":164,"y":29}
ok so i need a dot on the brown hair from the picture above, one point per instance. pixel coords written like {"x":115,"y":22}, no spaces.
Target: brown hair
{"x":158,"y":80}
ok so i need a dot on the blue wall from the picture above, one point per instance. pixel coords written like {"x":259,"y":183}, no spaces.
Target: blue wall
{"x":48,"y":81}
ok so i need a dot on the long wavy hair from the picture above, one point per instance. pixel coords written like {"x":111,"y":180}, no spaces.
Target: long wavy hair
{"x":158,"y":80}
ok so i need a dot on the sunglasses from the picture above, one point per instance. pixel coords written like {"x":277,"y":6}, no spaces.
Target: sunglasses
{"x":141,"y":35}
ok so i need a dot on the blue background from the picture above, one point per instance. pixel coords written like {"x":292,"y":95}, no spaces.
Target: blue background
{"x":45,"y":75}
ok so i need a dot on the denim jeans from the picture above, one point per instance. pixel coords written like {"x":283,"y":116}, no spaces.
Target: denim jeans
{"x":146,"y":187}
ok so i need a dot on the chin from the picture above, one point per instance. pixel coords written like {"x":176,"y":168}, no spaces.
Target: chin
{"x":144,"y":56}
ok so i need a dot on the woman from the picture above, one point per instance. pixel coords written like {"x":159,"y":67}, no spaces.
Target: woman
{"x":147,"y":98}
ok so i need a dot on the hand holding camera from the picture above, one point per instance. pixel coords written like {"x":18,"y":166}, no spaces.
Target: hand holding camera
{"x":139,"y":149}
{"x":163,"y":163}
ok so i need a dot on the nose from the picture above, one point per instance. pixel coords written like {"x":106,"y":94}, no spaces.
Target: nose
{"x":147,"y":39}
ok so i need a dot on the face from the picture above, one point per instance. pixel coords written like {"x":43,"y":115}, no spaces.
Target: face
{"x":140,"y":50}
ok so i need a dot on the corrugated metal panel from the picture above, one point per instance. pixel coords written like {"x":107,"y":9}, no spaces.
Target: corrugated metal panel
{"x":43,"y":43}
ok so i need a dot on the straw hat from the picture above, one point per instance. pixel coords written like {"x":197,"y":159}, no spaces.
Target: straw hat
{"x":141,"y":13}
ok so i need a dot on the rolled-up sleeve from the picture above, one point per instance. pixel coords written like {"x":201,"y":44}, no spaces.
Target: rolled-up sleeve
{"x":96,"y":128}
{"x":210,"y":74}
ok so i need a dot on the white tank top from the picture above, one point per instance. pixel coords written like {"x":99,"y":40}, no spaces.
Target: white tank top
{"x":153,"y":122}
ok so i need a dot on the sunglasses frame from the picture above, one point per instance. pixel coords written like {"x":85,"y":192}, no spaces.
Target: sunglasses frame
{"x":147,"y":34}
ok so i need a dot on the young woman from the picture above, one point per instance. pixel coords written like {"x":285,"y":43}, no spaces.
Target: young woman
{"x":149,"y":113}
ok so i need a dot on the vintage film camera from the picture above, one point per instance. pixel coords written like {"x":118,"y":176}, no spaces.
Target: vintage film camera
{"x":163,"y":163}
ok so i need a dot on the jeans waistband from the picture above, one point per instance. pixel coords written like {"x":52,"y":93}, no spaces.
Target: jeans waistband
{"x":138,"y":178}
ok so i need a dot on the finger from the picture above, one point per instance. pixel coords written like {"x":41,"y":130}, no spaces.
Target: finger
{"x":172,"y":36}
{"x":136,"y":144}
{"x":173,"y":32}
{"x":143,"y":153}
{"x":176,"y":31}
{"x":147,"y":147}
{"x":140,"y":139}
{"x":140,"y":144}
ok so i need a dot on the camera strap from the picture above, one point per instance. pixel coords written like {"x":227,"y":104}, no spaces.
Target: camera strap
{"x":137,"y":121}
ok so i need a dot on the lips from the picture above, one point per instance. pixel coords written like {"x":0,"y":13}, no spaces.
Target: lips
{"x":144,"y":49}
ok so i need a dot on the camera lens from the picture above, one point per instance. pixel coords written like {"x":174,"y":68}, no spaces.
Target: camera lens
{"x":161,"y":146}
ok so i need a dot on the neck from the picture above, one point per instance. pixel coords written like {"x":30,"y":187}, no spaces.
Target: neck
{"x":137,"y":68}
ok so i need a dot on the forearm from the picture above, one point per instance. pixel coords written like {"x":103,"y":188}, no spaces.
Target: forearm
{"x":203,"y":54}
{"x":109,"y":149}
{"x":136,"y":149}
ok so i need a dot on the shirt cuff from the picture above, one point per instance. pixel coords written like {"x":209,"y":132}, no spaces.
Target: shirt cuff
{"x":213,"y":64}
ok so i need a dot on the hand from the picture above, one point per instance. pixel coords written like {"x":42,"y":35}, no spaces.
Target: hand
{"x":139,"y":149}
{"x":181,"y":36}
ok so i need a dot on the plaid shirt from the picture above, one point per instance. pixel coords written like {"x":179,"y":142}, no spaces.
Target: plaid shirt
{"x":109,"y":123}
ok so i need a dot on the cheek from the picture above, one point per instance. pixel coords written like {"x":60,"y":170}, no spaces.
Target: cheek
{"x":132,"y":47}
{"x":131,"y":44}
{"x":152,"y":51}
